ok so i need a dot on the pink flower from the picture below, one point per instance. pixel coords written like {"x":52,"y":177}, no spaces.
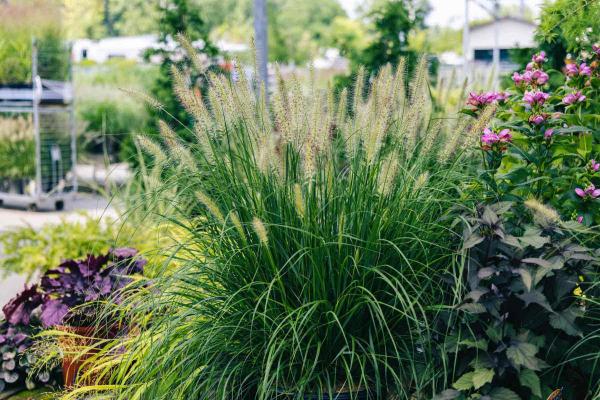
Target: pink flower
{"x":504,"y":136}
{"x":571,"y":69}
{"x":580,"y":219}
{"x":594,"y":166}
{"x":589,"y":192}
{"x":572,"y":98}
{"x":527,"y":76}
{"x":537,"y":119}
{"x":529,"y":67}
{"x":585,"y":69}
{"x":548,"y":133}
{"x":539,"y":58}
{"x":490,"y":138}
{"x":480,"y":99}
{"x":517,"y":78}
{"x":535,"y":98}
{"x":539,"y":77}
{"x":502,"y":96}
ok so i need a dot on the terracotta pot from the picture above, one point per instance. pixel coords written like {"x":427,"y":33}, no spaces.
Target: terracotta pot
{"x":86,"y":336}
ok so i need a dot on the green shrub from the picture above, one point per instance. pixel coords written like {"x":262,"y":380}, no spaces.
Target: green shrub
{"x":528,"y":325}
{"x":29,"y":251}
{"x":17,"y":148}
{"x":315,"y":250}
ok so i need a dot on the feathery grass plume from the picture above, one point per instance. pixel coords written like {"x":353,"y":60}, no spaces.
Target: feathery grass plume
{"x":388,"y":174}
{"x":181,"y":154}
{"x":235,"y":220}
{"x":455,"y":138}
{"x":342,"y":108}
{"x":212,"y":207}
{"x":299,"y":200}
{"x":151,"y":148}
{"x":480,"y":124}
{"x":421,"y":181}
{"x":189,"y":99}
{"x":358,"y":88}
{"x":417,"y":114}
{"x":145,"y":97}
{"x":544,"y":214}
{"x":260,"y":230}
{"x":188,"y":47}
{"x":431,"y":137}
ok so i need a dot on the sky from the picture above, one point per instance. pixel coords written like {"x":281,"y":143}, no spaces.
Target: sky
{"x":450,"y":12}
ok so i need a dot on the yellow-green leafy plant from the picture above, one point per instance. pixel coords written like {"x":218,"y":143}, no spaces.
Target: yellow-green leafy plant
{"x":17,"y":147}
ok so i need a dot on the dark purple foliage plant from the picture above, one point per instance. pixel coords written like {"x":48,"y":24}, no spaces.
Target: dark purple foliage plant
{"x":63,"y":297}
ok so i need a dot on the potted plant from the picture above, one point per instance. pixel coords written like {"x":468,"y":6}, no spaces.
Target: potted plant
{"x":65,"y":301}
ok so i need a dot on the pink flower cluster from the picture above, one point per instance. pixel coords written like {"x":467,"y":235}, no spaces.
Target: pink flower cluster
{"x":539,"y":58}
{"x":490,"y":138}
{"x":537,"y":119}
{"x":481,"y":99}
{"x":588,"y":192}
{"x":535,"y":98}
{"x":573,"y":70}
{"x":530,"y":77}
{"x":572,"y":98}
{"x":594,"y":166}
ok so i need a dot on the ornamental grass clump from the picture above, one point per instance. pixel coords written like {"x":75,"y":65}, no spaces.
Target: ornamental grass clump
{"x":318,"y":239}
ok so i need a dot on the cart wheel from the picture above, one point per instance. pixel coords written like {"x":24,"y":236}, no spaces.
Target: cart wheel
{"x":59,"y":205}
{"x":32,"y":207}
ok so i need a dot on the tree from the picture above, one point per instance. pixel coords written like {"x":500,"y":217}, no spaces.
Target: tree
{"x":177,"y":17}
{"x":568,"y":26}
{"x":393,"y":21}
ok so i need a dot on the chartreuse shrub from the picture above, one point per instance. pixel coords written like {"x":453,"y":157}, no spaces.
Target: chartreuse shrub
{"x":318,"y":236}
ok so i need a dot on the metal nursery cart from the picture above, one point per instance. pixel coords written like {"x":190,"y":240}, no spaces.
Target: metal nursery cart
{"x":37,"y":133}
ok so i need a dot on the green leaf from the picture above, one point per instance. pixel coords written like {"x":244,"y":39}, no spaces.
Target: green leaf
{"x":536,"y":297}
{"x":503,"y":394}
{"x":523,"y":354}
{"x":526,"y":277}
{"x":473,"y":308}
{"x":533,"y":237}
{"x":449,"y":394}
{"x":480,"y":344}
{"x":482,"y":376}
{"x":494,"y":333}
{"x":472,"y":241}
{"x":465,"y":382}
{"x":529,"y":378}
{"x":565,"y":321}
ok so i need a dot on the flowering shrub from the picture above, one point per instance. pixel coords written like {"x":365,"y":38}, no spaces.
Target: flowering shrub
{"x":528,"y":290}
{"x":550,"y":141}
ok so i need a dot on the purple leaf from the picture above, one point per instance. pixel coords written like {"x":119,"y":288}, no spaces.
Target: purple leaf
{"x":124,"y":252}
{"x":18,"y":310}
{"x":53,"y":313}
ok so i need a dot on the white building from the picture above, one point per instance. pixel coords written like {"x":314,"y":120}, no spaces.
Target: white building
{"x":513,"y":33}
{"x":132,"y":48}
{"x":126,"y":47}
